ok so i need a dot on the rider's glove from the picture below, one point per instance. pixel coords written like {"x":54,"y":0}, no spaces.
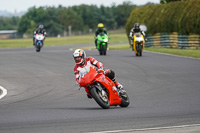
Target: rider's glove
{"x":100,"y":69}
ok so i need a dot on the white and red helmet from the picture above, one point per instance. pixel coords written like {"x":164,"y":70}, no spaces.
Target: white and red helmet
{"x":79,"y":56}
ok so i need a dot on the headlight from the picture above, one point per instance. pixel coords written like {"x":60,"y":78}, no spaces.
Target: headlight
{"x":106,"y":40}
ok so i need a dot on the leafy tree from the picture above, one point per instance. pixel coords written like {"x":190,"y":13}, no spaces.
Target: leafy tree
{"x":122,"y":12}
{"x":89,"y":15}
{"x":51,"y":21}
{"x":33,"y":17}
{"x":42,"y":15}
{"x":106,"y":16}
{"x":7,"y":23}
{"x":68,"y":17}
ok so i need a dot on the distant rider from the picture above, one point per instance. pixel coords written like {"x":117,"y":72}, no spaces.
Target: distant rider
{"x":100,"y":29}
{"x":39,"y":30}
{"x":135,"y":29}
{"x":81,"y":61}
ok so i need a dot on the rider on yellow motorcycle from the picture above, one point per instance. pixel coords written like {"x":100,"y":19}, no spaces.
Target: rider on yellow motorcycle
{"x":137,"y":39}
{"x":135,"y":29}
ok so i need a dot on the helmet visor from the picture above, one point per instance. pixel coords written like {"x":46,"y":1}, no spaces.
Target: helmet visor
{"x":77,"y":58}
{"x":100,"y":29}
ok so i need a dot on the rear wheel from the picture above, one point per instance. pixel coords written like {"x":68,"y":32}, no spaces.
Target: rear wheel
{"x":100,"y":97}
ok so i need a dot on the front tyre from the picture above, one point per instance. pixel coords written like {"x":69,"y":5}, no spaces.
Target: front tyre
{"x":104,"y":49}
{"x":38,"y":49}
{"x":100,"y":52}
{"x":100,"y":97}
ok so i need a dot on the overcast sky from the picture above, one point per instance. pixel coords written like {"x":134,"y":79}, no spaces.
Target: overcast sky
{"x":23,"y":5}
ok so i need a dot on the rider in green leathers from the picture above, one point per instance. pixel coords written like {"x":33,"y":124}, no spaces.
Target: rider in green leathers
{"x":100,"y":28}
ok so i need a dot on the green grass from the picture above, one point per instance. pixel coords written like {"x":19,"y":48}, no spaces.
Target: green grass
{"x":51,"y":41}
{"x":182,"y":52}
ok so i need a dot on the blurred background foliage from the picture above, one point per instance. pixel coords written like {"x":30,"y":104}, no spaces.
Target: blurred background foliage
{"x":181,"y":16}
{"x":82,"y":19}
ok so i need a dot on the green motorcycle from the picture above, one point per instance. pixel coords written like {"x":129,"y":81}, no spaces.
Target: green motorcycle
{"x":102,"y":43}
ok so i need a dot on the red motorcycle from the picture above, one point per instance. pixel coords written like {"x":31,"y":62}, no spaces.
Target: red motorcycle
{"x":101,"y":88}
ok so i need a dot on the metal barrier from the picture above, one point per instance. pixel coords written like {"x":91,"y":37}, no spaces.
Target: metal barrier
{"x":173,"y":41}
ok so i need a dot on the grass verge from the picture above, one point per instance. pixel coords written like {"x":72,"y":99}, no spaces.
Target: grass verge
{"x":51,"y":41}
{"x":182,"y":52}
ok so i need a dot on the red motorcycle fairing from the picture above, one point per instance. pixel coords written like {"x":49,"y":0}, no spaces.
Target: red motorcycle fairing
{"x":88,"y":77}
{"x":92,"y":78}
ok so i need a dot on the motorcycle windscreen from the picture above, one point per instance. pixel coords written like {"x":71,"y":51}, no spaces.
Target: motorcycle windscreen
{"x":87,"y":74}
{"x":139,"y":39}
{"x":39,"y":37}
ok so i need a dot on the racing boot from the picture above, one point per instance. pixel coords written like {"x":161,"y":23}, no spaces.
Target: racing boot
{"x":120,"y":89}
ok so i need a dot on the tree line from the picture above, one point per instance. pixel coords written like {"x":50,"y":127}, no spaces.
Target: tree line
{"x":82,"y":18}
{"x":7,"y":23}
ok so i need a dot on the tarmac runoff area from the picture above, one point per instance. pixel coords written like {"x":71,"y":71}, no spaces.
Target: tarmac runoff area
{"x":3,"y":92}
{"x":173,"y":129}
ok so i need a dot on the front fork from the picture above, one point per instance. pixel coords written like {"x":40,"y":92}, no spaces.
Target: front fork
{"x":134,"y":47}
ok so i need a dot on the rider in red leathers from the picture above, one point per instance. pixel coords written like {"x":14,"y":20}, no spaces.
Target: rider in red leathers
{"x":81,"y":61}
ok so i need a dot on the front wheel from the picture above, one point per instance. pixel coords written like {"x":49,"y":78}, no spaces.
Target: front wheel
{"x":104,"y":49}
{"x":38,"y":49}
{"x":100,"y":97}
{"x":141,"y":53}
{"x":100,"y":52}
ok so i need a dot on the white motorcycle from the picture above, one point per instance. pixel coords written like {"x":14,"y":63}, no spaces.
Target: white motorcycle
{"x":39,"y":41}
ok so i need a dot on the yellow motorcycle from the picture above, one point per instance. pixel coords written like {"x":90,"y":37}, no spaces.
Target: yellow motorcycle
{"x":138,"y":44}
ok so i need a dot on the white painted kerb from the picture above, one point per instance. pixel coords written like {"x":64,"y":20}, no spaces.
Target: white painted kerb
{"x":3,"y":92}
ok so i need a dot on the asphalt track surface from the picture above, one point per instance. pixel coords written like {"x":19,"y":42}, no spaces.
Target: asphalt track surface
{"x":44,"y":98}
